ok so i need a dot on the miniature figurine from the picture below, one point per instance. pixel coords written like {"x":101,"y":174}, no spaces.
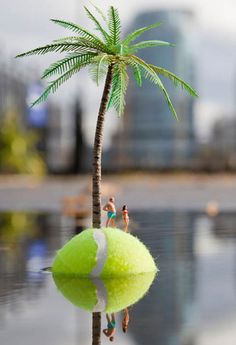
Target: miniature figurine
{"x":111,"y":327}
{"x":125,"y":214}
{"x":125,"y":321}
{"x":111,"y":212}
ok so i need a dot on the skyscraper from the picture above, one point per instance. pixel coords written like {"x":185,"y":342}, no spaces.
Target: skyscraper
{"x":150,"y":137}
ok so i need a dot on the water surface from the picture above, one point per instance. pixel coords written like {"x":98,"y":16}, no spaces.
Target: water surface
{"x":193,"y":301}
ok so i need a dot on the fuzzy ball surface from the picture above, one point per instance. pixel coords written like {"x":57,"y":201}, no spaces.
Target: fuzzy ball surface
{"x":105,"y":252}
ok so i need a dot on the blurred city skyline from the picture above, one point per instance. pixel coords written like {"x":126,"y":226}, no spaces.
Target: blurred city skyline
{"x":28,"y":26}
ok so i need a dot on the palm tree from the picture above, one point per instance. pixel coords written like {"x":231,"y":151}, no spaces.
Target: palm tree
{"x":108,"y":56}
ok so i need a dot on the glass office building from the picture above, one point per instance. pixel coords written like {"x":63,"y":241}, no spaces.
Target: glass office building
{"x":149,"y":137}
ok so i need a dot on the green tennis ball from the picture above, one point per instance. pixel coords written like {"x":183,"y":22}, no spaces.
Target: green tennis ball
{"x":106,"y":294}
{"x":106,"y":252}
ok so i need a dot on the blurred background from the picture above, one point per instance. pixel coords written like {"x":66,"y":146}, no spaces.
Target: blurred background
{"x":177,"y":178}
{"x":56,"y":137}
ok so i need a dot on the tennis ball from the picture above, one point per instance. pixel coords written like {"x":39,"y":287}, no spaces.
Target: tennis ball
{"x":104,"y":294}
{"x":105,"y":252}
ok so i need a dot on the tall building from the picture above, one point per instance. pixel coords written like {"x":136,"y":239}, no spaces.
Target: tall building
{"x":150,"y":138}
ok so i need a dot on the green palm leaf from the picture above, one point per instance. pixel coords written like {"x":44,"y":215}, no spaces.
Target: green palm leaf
{"x":148,"y":44}
{"x":150,"y":74}
{"x":99,"y":69}
{"x":99,"y":11}
{"x":67,"y":63}
{"x":114,"y":25}
{"x":132,"y":36}
{"x":81,"y":41}
{"x":137,"y":74}
{"x":119,"y":87}
{"x":55,"y":47}
{"x":54,"y":85}
{"x":135,"y":69}
{"x":79,"y":30}
{"x":175,"y":79}
{"x":98,"y":26}
{"x":67,"y":39}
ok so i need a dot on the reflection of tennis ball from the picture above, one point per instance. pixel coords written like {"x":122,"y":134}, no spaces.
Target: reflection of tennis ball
{"x":103,"y":252}
{"x":106,"y":294}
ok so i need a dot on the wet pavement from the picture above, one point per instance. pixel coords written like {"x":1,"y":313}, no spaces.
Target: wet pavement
{"x":176,"y":192}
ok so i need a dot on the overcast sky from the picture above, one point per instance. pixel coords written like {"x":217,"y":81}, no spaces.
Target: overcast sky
{"x":25,"y":24}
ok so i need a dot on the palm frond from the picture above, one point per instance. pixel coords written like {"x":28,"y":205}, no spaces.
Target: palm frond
{"x":133,"y":35}
{"x":54,"y":85}
{"x":148,"y":44}
{"x":136,"y":71}
{"x":114,"y":25}
{"x":98,"y":26}
{"x":79,"y":30}
{"x":94,"y":45}
{"x":55,"y":47}
{"x":119,"y":87}
{"x":175,"y":79}
{"x":77,"y":39}
{"x":115,"y":80}
{"x":99,"y":69}
{"x":66,"y":39}
{"x":81,"y":41}
{"x":150,"y":74}
{"x":99,"y":11}
{"x":67,"y":63}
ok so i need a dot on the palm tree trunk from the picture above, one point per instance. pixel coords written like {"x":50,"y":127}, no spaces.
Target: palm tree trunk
{"x":97,"y":151}
{"x":97,"y":157}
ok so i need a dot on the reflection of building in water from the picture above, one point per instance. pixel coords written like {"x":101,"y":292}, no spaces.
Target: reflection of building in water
{"x":215,"y":283}
{"x":225,"y":225}
{"x":164,"y":315}
{"x":26,"y":243}
{"x":150,"y":137}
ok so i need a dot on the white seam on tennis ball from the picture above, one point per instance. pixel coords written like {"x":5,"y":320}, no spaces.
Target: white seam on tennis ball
{"x":101,"y":256}
{"x":101,"y":295}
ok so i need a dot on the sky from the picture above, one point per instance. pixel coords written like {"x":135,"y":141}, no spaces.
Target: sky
{"x":25,"y":25}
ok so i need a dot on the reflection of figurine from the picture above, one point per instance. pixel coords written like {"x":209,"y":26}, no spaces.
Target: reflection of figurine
{"x":125,"y":217}
{"x":111,"y":327}
{"x":111,"y":212}
{"x":125,"y":321}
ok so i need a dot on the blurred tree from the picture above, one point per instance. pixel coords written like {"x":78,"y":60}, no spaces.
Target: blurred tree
{"x":15,"y":226}
{"x":108,"y":56}
{"x":18,"y":152}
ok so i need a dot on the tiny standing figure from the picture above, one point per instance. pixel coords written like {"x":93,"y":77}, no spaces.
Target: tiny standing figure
{"x":111,"y":327}
{"x":125,"y":214}
{"x":125,"y":321}
{"x":111,"y":212}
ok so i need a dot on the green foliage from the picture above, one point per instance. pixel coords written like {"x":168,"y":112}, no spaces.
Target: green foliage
{"x":18,"y":152}
{"x":98,"y":26}
{"x":148,"y":44}
{"x":119,"y":87}
{"x":99,"y":69}
{"x":68,"y":63}
{"x":114,"y":25}
{"x":99,"y":51}
{"x":133,"y":35}
{"x":175,"y":79}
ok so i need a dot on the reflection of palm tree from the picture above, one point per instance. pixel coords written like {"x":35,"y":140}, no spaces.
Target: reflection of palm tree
{"x":108,"y":57}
